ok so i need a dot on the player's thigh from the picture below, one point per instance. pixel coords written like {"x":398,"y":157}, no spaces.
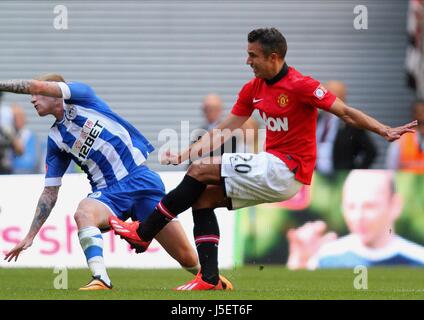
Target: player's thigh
{"x":92,"y":212}
{"x":206,"y":170}
{"x":174,"y":240}
{"x":251,"y":179}
{"x":213,"y":197}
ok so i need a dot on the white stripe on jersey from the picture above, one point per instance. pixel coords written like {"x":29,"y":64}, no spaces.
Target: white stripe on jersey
{"x":100,"y":145}
{"x":114,"y":159}
{"x":93,"y":168}
{"x":105,"y":148}
{"x":96,"y":174}
{"x":115,"y":128}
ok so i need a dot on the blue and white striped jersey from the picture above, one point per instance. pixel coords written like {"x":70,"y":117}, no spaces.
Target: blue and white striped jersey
{"x":103,"y":144}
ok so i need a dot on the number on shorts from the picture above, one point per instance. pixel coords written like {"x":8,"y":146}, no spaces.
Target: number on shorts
{"x":241,"y":167}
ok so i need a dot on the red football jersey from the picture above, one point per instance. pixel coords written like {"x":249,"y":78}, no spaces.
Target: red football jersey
{"x":289,"y":109}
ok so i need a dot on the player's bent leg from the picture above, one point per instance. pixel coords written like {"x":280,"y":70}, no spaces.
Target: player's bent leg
{"x":207,"y":235}
{"x":251,"y":179}
{"x":174,"y":240}
{"x":206,"y":170}
{"x":90,"y":216}
{"x":92,"y":213}
{"x":213,"y":197}
{"x":199,"y":175}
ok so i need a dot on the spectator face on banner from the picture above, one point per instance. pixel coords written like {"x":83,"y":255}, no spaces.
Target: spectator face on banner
{"x":370,"y":205}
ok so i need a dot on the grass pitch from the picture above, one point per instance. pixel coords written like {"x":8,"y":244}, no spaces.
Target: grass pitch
{"x":251,"y":283}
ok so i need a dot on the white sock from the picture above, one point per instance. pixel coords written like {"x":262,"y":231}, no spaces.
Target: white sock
{"x":91,"y":241}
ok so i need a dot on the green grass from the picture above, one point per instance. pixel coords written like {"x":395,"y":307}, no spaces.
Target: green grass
{"x":254,"y":283}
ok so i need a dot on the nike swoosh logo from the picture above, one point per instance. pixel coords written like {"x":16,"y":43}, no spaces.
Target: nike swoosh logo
{"x":257,"y":100}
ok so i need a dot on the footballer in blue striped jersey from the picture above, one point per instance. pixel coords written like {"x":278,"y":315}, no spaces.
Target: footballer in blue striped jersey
{"x":112,"y":153}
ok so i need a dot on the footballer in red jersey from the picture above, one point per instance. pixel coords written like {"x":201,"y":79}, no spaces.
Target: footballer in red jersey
{"x":287,"y":102}
{"x":288,"y":105}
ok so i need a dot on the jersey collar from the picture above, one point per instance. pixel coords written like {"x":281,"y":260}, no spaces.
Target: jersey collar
{"x":284,"y":70}
{"x":63,"y":118}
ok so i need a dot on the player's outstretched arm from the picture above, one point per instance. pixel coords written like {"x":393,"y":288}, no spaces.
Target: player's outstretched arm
{"x":208,"y":142}
{"x":44,"y":207}
{"x":358,"y":119}
{"x":33,"y":87}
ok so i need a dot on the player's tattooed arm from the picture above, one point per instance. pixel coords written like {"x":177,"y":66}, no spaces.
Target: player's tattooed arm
{"x":33,"y":87}
{"x":16,"y":86}
{"x":44,"y":207}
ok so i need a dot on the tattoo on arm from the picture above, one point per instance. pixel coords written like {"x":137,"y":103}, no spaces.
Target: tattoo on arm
{"x":16,"y":86}
{"x":44,"y":88}
{"x":45,"y":205}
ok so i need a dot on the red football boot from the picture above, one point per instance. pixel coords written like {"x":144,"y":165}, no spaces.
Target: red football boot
{"x":128,"y":232}
{"x":199,"y":284}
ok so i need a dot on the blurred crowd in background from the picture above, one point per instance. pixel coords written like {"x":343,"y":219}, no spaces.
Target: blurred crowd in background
{"x":339,"y":147}
{"x":19,"y":148}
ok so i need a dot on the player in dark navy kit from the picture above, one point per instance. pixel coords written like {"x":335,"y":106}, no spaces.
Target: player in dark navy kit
{"x":288,"y":102}
{"x":112,"y":154}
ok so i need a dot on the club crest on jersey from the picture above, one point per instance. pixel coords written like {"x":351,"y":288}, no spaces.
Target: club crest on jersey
{"x":282,"y":100}
{"x":320,"y":92}
{"x":95,"y":195}
{"x":89,"y":133}
{"x":70,"y":112}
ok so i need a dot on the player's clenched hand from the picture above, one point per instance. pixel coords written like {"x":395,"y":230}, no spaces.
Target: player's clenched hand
{"x":393,"y":134}
{"x":170,"y":158}
{"x":16,"y":251}
{"x":305,"y":241}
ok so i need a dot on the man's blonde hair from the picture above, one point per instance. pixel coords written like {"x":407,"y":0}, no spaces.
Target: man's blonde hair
{"x":53,"y":77}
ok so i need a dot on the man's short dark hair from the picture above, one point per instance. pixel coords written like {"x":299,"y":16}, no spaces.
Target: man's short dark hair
{"x":271,"y":39}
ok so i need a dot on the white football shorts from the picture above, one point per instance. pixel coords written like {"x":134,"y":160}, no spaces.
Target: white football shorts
{"x":251,"y":179}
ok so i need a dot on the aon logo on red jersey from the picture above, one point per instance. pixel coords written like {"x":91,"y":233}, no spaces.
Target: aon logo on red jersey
{"x":276,"y":124}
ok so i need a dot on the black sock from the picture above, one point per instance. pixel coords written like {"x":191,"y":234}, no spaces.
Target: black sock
{"x":175,"y":202}
{"x":206,"y":237}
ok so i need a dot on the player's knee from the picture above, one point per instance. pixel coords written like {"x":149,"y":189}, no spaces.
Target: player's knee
{"x":186,"y":255}
{"x":82,"y":217}
{"x":195,"y":171}
{"x":188,"y":258}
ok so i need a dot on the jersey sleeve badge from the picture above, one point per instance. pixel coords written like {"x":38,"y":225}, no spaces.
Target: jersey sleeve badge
{"x":320,"y":92}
